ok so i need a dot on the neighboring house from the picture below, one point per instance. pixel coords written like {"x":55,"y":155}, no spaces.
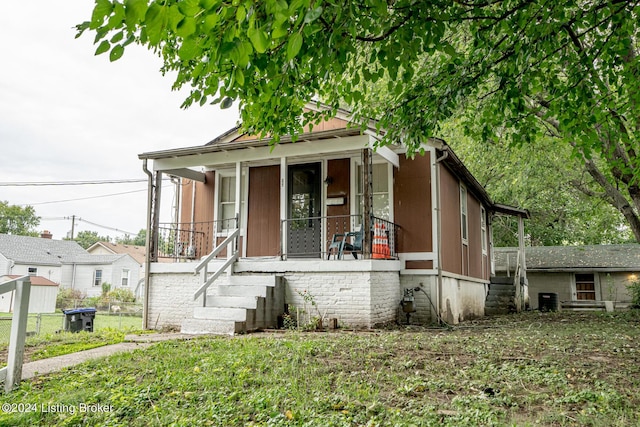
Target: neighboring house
{"x":579,"y":275}
{"x":88,"y":272}
{"x":66,"y":263}
{"x":136,"y":252}
{"x":42,"y":298}
{"x":422,"y":222}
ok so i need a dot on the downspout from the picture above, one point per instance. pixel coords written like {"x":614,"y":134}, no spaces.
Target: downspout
{"x":147,"y":258}
{"x":439,"y":231}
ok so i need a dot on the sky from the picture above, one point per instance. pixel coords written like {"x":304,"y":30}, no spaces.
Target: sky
{"x":67,"y":115}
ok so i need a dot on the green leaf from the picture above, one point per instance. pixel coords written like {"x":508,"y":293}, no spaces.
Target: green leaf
{"x":134,"y":11}
{"x":103,"y":47}
{"x":210,"y":21}
{"x":312,"y":14}
{"x":155,"y":19}
{"x":239,"y":75}
{"x":258,"y":39}
{"x":186,"y":27}
{"x":116,"y":53}
{"x":294,"y":45}
{"x":189,"y":49}
{"x":101,"y":10}
{"x":189,"y":7}
{"x":279,"y":31}
{"x":117,"y":37}
{"x":226,"y":103}
{"x":241,"y":14}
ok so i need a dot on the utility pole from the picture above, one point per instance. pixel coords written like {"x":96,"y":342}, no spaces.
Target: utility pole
{"x":73,"y":224}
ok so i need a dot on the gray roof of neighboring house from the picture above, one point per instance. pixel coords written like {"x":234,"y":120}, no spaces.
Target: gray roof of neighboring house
{"x":36,"y":250}
{"x":592,"y":257}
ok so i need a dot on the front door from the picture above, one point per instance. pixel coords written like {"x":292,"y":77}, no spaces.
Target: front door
{"x":305,"y":202}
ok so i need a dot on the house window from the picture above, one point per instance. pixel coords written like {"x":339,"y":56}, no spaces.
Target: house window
{"x":33,"y":271}
{"x":463,"y":215}
{"x":380,"y":191}
{"x":585,"y":287}
{"x":483,"y":229}
{"x":125,"y":277}
{"x":227,"y":201}
{"x":97,"y":278}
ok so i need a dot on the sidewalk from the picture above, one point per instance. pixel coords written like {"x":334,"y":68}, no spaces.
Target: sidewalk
{"x":131,"y":343}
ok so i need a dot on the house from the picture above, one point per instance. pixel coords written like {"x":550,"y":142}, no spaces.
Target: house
{"x":138,"y":253}
{"x":42,"y":298}
{"x":581,"y":276}
{"x":66,"y":263}
{"x":267,"y":216}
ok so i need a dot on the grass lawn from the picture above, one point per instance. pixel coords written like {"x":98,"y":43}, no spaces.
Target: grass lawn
{"x":551,"y":369}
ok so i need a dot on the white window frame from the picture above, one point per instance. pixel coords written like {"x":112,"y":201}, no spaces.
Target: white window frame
{"x":229,"y":173}
{"x":95,"y":276}
{"x":355,"y":162}
{"x":32,"y":271}
{"x":125,"y":278}
{"x":464,"y":215}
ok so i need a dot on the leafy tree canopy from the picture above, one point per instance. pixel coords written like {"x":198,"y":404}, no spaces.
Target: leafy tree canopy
{"x":139,"y":239}
{"x":18,"y":220}
{"x":88,"y":238}
{"x":568,"y":69}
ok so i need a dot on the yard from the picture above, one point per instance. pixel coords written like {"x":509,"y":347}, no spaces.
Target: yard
{"x":535,"y":368}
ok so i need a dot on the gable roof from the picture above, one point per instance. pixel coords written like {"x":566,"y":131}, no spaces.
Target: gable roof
{"x":136,"y":252}
{"x":98,"y":259}
{"x":36,"y":250}
{"x":624,"y":257}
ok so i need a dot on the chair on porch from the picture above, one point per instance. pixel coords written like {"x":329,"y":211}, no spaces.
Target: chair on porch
{"x":340,"y":243}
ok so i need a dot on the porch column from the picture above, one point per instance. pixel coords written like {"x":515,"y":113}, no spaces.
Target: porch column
{"x":367,"y":200}
{"x":238,"y":200}
{"x":523,"y":265}
{"x":283,"y":208}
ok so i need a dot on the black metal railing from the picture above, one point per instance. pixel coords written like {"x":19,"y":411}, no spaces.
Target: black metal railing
{"x":302,"y":238}
{"x":191,"y":241}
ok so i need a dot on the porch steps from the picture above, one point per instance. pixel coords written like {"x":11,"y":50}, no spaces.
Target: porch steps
{"x":245,"y":303}
{"x":501,"y":296}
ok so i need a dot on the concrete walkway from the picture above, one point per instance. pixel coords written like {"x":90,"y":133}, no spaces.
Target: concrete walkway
{"x":132,"y":342}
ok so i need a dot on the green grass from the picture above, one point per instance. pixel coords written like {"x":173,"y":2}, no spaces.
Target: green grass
{"x":531,"y":369}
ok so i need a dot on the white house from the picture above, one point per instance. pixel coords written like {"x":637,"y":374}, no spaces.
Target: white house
{"x":88,"y":272}
{"x":137,"y":252}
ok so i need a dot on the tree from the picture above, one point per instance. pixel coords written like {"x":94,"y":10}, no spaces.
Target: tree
{"x":511,"y":69}
{"x":139,"y":239}
{"x":88,"y":238}
{"x":18,"y":220}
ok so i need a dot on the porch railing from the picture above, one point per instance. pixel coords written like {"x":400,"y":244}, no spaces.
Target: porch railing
{"x":12,"y":373}
{"x":191,"y":241}
{"x":311,"y":237}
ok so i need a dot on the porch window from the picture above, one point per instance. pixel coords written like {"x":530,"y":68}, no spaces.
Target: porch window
{"x":97,"y":278}
{"x":125,"y":277}
{"x":227,"y":201}
{"x":585,"y":287}
{"x":463,"y":215}
{"x":380,"y":191}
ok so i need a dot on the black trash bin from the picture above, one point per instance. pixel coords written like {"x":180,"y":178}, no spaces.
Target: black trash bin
{"x":548,"y":301}
{"x":79,"y":319}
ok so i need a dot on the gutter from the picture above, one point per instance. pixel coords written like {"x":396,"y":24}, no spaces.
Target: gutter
{"x":147,"y":258}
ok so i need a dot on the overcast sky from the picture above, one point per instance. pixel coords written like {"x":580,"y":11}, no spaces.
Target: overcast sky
{"x":67,"y":115}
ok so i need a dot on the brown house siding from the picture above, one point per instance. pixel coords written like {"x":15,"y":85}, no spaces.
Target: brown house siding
{"x":263,"y":222}
{"x":450,"y":217}
{"x":412,"y":204}
{"x":201,"y":211}
{"x":339,"y":172}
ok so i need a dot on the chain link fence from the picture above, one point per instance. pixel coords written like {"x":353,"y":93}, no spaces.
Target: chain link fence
{"x":114,"y":315}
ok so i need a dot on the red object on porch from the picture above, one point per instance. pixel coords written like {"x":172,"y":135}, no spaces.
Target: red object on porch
{"x":380,"y":246}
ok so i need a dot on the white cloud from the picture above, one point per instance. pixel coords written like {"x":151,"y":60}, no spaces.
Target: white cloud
{"x":68,"y":115}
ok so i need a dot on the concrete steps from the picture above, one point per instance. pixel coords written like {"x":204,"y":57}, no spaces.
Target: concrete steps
{"x":244,"y":303}
{"x":501,"y":296}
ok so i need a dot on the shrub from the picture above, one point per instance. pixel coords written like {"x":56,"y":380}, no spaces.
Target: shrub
{"x":634,"y":291}
{"x":67,"y":296}
{"x":121,"y":295}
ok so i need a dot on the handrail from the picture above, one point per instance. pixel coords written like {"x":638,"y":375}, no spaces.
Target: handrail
{"x":217,"y":250}
{"x":231,"y":258}
{"x":12,"y":373}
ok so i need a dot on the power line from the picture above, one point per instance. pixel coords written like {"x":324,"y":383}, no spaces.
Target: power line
{"x":82,"y":198}
{"x":94,"y":182}
{"x":106,"y":227}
